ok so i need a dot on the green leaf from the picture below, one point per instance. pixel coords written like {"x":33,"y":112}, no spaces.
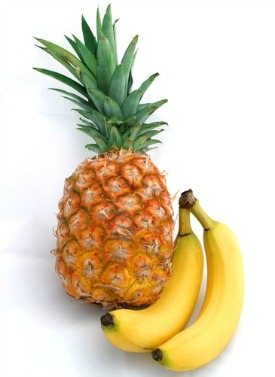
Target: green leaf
{"x":64,"y":79}
{"x":145,"y":85}
{"x":150,"y":134}
{"x":98,"y":98}
{"x":115,"y":138}
{"x":98,"y":24}
{"x":141,"y":115}
{"x":86,"y":123}
{"x":89,"y":38}
{"x":115,"y":43}
{"x":100,"y":141}
{"x":130,"y":83}
{"x":70,"y":61}
{"x":130,"y":104}
{"x":108,"y":30}
{"x":142,"y":142}
{"x":150,"y":126}
{"x":91,"y":132}
{"x":88,"y":58}
{"x":65,"y":63}
{"x":85,"y":106}
{"x":94,"y":147}
{"x":118,"y":85}
{"x":138,"y":142}
{"x":134,"y":132}
{"x":69,"y":94}
{"x":129,"y":54}
{"x":85,"y":55}
{"x":112,"y":109}
{"x":97,"y":119}
{"x":128,"y":61}
{"x":74,"y":46}
{"x":105,"y":104}
{"x":89,"y":85}
{"x":119,"y":82}
{"x":150,"y":142}
{"x":106,"y":64}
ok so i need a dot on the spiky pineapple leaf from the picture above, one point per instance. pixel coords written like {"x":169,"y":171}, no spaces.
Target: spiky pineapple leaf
{"x":112,"y":109}
{"x":106,"y":64}
{"x":105,"y":104}
{"x":142,"y":143}
{"x":94,"y":147}
{"x":86,"y":123}
{"x":114,"y":32}
{"x":69,"y":94}
{"x":85,"y":106}
{"x":70,"y":61}
{"x":145,"y":85}
{"x":134,"y":132}
{"x":128,"y":60}
{"x":98,"y":98}
{"x":130,"y":104}
{"x":111,"y":114}
{"x":97,"y":119}
{"x":89,"y":38}
{"x":138,"y":142}
{"x":98,"y":24}
{"x":119,"y":82}
{"x":74,"y":46}
{"x":100,"y":142}
{"x":87,"y":56}
{"x":141,"y":115}
{"x":84,"y":54}
{"x":107,"y":29}
{"x":91,"y":131}
{"x":64,"y":62}
{"x":115,"y":138}
{"x":118,"y":85}
{"x":130,"y":83}
{"x":64,"y":79}
{"x":150,"y":126}
{"x":151,"y":133}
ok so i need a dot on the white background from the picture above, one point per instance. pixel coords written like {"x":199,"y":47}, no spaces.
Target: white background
{"x":217,"y":66}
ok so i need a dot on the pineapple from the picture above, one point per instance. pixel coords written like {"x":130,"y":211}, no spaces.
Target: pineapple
{"x":115,"y":226}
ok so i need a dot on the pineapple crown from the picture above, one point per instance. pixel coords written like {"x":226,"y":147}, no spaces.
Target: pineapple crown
{"x":111,"y":113}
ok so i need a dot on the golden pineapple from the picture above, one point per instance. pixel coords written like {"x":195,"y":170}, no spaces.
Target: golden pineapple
{"x":114,"y":232}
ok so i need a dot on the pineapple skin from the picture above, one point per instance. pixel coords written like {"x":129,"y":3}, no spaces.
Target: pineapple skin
{"x":114,"y":232}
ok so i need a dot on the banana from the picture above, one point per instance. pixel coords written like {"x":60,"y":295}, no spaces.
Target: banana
{"x":209,"y":334}
{"x":147,"y":328}
{"x":116,"y":338}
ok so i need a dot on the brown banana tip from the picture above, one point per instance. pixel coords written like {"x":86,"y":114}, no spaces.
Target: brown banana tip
{"x":187,"y":199}
{"x":107,"y":320}
{"x":157,"y":354}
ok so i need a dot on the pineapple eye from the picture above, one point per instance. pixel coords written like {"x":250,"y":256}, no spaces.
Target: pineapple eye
{"x":89,"y":269}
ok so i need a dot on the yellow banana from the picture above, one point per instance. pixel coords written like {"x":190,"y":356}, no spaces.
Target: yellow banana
{"x":210,"y":333}
{"x":148,"y":328}
{"x":116,"y":338}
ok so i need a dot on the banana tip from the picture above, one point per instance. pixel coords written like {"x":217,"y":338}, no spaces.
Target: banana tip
{"x":187,"y":199}
{"x":157,"y":354}
{"x":107,"y":320}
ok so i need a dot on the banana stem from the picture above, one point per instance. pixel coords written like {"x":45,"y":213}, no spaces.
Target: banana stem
{"x":189,"y":202}
{"x":184,"y":222}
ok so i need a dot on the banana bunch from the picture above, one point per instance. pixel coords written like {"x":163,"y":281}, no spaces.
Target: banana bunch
{"x":161,"y":327}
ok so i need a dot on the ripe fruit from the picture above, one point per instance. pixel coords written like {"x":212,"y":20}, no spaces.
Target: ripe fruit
{"x":209,"y":334}
{"x":150,"y":327}
{"x":114,"y":233}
